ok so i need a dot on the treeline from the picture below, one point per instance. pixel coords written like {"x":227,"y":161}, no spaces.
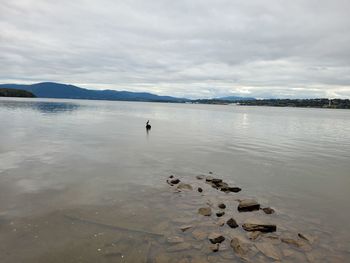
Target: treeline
{"x":306,"y":103}
{"x":16,"y":93}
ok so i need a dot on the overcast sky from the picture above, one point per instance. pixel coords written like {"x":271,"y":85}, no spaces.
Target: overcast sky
{"x":193,"y":48}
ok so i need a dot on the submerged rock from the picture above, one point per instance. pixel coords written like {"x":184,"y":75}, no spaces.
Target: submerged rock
{"x":200,"y":189}
{"x":232,"y":223}
{"x":185,"y":227}
{"x":222,"y":205}
{"x":199,"y":235}
{"x":248,"y":205}
{"x":259,"y":227}
{"x":214,"y":247}
{"x":182,"y":186}
{"x":269,"y":250}
{"x":215,"y":238}
{"x":179,"y":247}
{"x":239,"y":247}
{"x":205,"y":211}
{"x":175,"y":181}
{"x":306,"y":237}
{"x":220,"y":213}
{"x":234,"y":189}
{"x":268,"y":210}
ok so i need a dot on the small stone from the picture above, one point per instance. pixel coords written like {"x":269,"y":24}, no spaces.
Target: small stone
{"x":214,"y":247}
{"x":205,"y":211}
{"x":232,"y":223}
{"x":216,"y":238}
{"x":259,"y":227}
{"x":306,"y":237}
{"x":171,"y":176}
{"x":216,"y":181}
{"x":199,"y":235}
{"x":209,"y":178}
{"x":175,"y":239}
{"x":210,"y":172}
{"x":220,"y":213}
{"x":248,"y":205}
{"x":234,"y":189}
{"x":183,"y":186}
{"x":175,"y":181}
{"x":200,"y":189}
{"x":185,"y":227}
{"x":200,"y":177}
{"x":221,"y":222}
{"x":268,"y":210}
{"x":222,"y":205}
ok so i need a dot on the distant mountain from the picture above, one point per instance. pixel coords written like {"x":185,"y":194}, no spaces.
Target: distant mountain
{"x":63,"y":91}
{"x":15,"y":93}
{"x":235,"y":98}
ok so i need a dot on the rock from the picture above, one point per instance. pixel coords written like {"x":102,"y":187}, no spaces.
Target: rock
{"x":199,"y":235}
{"x":232,"y":223}
{"x":200,"y":189}
{"x":234,"y":189}
{"x":248,"y":205}
{"x":179,"y":247}
{"x":254,"y":235}
{"x":210,"y":172}
{"x":171,"y":176}
{"x":297,"y":243}
{"x":182,"y":186}
{"x":175,"y":181}
{"x":259,"y":227}
{"x":239,"y":247}
{"x":216,"y":181}
{"x":268,"y":210}
{"x":185,"y":227}
{"x":200,"y":177}
{"x":221,"y":222}
{"x":306,"y":237}
{"x":205,"y":211}
{"x":269,"y":250}
{"x":175,"y":239}
{"x":222,"y":205}
{"x":209,"y":178}
{"x":214,"y":247}
{"x":216,"y":238}
{"x":220,"y":213}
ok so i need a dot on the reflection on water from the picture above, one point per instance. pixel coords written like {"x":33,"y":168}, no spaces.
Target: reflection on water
{"x":88,"y":185}
{"x":41,"y":106}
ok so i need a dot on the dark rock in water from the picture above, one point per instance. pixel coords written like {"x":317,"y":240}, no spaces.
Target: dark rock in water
{"x":200,"y":177}
{"x":210,"y":172}
{"x":222,"y":205}
{"x":209,"y":178}
{"x":234,"y":189}
{"x":232,"y":223}
{"x":216,"y":181}
{"x":259,"y":227}
{"x":220,"y":213}
{"x":224,"y":189}
{"x":214,"y":247}
{"x":268,"y":210}
{"x":248,"y":205}
{"x":171,"y":176}
{"x":175,"y":181}
{"x":216,"y":238}
{"x":200,"y":189}
{"x":205,"y":211}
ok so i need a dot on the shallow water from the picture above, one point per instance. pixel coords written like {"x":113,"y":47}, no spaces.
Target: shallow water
{"x":82,"y":181}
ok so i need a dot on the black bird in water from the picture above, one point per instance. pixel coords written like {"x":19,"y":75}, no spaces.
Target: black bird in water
{"x":148,"y":126}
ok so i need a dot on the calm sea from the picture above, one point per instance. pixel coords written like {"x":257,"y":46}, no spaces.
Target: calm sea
{"x":79,"y":178}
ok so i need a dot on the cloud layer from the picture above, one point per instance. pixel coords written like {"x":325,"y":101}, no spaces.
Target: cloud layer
{"x":191,"y":48}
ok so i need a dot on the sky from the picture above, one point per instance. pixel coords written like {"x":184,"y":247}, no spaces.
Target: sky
{"x":183,"y":48}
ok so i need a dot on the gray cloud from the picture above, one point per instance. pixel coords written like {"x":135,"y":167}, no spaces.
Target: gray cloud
{"x":197,"y":48}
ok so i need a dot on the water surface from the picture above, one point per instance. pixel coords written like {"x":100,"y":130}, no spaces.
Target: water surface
{"x":72,"y":172}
